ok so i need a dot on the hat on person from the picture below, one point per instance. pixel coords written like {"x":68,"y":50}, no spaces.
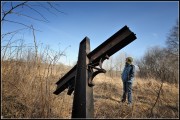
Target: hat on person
{"x":129,"y":59}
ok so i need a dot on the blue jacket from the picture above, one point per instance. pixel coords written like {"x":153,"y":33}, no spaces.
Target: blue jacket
{"x":128,"y":73}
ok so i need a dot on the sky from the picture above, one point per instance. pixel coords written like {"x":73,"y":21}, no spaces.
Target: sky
{"x":150,"y":21}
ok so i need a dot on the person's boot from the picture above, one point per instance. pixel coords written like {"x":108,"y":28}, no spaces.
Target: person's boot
{"x":123,"y":100}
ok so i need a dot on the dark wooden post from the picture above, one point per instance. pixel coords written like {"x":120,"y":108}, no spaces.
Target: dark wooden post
{"x":83,"y":94}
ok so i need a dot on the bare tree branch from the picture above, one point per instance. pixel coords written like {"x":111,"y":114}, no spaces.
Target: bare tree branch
{"x":17,"y":23}
{"x":37,"y":12}
{"x":35,"y":45}
{"x":158,"y":96}
{"x":19,"y":14}
{"x":3,"y":35}
{"x":9,"y":12}
{"x":30,"y":6}
{"x":16,"y":46}
{"x":55,"y":8}
{"x":9,"y":42}
{"x":20,"y":24}
{"x":42,"y":6}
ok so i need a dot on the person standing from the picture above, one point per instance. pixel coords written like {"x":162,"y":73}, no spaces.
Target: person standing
{"x":127,"y":76}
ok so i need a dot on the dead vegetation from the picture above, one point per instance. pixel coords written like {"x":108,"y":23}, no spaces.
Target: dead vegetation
{"x":108,"y":94}
{"x":28,"y":93}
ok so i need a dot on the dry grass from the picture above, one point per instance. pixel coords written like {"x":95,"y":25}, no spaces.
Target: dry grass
{"x":108,"y":94}
{"x":27,"y":92}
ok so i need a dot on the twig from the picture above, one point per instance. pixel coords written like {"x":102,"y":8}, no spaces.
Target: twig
{"x":9,"y":42}
{"x":35,"y":45}
{"x":16,"y":46}
{"x":54,"y":7}
{"x":19,"y":14}
{"x":158,"y":96}
{"x":17,"y":23}
{"x":3,"y":35}
{"x":12,"y":8}
{"x":37,"y":12}
{"x":42,"y":6}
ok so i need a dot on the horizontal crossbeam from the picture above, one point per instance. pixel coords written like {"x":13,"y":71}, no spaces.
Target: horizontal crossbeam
{"x":116,"y":42}
{"x":64,"y":82}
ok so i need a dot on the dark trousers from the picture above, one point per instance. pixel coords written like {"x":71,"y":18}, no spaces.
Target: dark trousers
{"x":127,"y":89}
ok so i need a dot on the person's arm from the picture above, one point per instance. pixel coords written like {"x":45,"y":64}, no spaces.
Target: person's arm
{"x":132,"y":72}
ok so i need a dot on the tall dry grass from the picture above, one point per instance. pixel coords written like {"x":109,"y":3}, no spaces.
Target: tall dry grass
{"x":108,"y":92}
{"x":28,"y":83}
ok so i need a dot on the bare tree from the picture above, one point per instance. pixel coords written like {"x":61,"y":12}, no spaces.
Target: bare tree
{"x":156,"y":64}
{"x":172,"y":50}
{"x":173,"y":41}
{"x":109,"y":66}
{"x":120,"y":62}
{"x":19,"y":9}
{"x":161,"y":62}
{"x":17,"y":59}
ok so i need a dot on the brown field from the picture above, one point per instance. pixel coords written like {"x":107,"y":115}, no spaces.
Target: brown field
{"x":27,"y":92}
